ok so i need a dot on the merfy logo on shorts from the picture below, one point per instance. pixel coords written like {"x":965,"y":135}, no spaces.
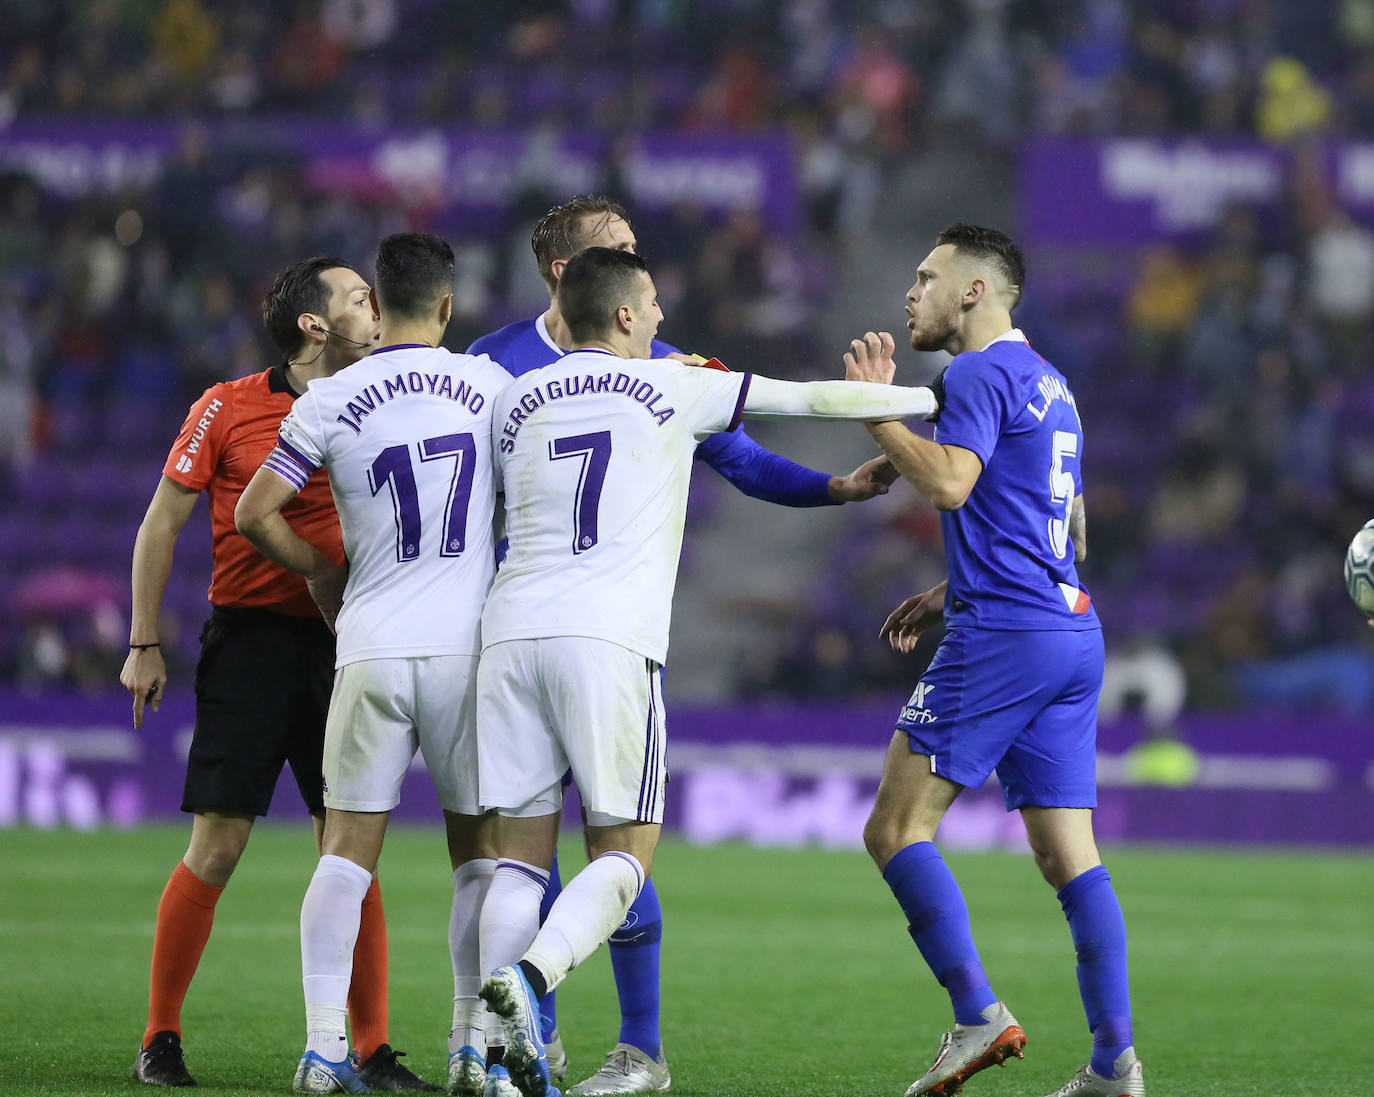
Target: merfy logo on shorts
{"x":916,"y":711}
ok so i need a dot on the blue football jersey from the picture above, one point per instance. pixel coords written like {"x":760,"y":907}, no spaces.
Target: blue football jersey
{"x":526,"y":345}
{"x":1008,"y":550}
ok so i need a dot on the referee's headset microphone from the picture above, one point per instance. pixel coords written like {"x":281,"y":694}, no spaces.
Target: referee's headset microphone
{"x":336,"y":335}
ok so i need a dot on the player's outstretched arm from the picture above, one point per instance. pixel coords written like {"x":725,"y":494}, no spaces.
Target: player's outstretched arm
{"x":258,"y":517}
{"x":944,"y":474}
{"x":760,"y":473}
{"x":145,"y":670}
{"x":855,"y":401}
{"x":905,"y":624}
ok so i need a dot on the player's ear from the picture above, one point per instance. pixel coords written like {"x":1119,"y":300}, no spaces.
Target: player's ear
{"x":312,"y":327}
{"x":977,"y":290}
{"x":624,"y":317}
{"x":557,"y":267}
{"x":372,"y":300}
{"x":446,"y":309}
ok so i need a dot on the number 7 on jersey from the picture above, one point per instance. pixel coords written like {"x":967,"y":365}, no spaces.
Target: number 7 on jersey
{"x":595,"y":451}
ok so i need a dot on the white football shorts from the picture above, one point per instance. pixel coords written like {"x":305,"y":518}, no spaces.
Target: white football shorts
{"x":547,"y":705}
{"x":382,"y":711}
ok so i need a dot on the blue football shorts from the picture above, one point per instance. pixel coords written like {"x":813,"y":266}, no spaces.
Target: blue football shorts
{"x":1021,"y":703}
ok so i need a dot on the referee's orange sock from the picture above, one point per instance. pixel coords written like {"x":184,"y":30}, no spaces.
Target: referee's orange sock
{"x":367,"y":993}
{"x":184,"y":916}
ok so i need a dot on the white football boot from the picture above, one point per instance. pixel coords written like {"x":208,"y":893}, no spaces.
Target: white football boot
{"x":627,"y":1070}
{"x":967,"y":1049}
{"x":498,"y":1084}
{"x":467,"y":1072}
{"x":508,"y":994}
{"x":1127,"y":1080}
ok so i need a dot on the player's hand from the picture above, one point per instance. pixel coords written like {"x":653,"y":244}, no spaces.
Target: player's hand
{"x":327,"y":587}
{"x":905,"y":624}
{"x":871,"y":478}
{"x":870,"y":358}
{"x":698,"y":360}
{"x":145,"y":676}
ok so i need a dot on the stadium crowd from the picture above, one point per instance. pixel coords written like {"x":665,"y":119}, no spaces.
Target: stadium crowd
{"x":879,"y":74}
{"x":1222,"y":385}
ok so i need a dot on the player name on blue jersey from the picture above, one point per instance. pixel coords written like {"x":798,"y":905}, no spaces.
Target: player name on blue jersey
{"x":1052,"y":388}
{"x":413,"y":383}
{"x":587,"y":384}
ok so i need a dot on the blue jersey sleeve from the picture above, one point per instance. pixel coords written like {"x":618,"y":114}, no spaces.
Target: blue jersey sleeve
{"x":762,"y":474}
{"x":979,"y":399}
{"x":486,"y":345}
{"x":759,"y":473}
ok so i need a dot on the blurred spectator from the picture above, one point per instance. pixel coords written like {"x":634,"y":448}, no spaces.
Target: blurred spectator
{"x":1292,"y":104}
{"x":1163,"y":301}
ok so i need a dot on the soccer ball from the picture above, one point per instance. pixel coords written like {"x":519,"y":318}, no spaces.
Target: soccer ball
{"x":1359,"y":569}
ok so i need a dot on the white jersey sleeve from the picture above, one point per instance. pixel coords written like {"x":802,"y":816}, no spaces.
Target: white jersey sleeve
{"x":300,"y":443}
{"x":769,"y":398}
{"x":709,"y":400}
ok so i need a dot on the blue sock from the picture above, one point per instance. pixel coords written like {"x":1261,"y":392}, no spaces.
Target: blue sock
{"x":634,"y":959}
{"x":548,"y":1005}
{"x":1099,"y":937}
{"x":938,"y":917}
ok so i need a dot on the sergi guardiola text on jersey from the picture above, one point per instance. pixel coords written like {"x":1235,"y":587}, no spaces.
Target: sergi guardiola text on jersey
{"x":632,"y":388}
{"x":409,"y":384}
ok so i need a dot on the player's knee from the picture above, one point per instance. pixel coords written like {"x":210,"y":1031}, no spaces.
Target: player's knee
{"x":1054,"y":866}
{"x":1060,"y":862}
{"x":470,"y":837}
{"x":215,"y":859}
{"x":880,"y":837}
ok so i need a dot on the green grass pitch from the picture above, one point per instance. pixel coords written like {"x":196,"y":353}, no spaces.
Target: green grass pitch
{"x":784,"y":972}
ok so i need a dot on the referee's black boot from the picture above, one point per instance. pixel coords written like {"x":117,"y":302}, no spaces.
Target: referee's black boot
{"x":383,"y":1072}
{"x":161,"y":1064}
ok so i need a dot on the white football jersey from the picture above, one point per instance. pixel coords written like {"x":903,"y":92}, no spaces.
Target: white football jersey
{"x":406,"y":436}
{"x":596,"y":455}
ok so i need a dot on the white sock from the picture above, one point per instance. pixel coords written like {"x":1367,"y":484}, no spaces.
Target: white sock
{"x":510,"y":915}
{"x":329,"y":929}
{"x":471,"y":880}
{"x":329,"y":1046}
{"x":593,"y":904}
{"x":496,"y":1031}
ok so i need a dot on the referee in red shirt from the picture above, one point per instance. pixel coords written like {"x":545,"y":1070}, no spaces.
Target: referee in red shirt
{"x":267,"y":658}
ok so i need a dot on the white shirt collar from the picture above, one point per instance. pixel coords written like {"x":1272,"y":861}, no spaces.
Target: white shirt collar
{"x":543,"y":330}
{"x":1013,"y":336}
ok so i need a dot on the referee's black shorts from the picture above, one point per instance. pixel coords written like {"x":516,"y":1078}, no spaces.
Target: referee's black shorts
{"x":262,"y":695}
